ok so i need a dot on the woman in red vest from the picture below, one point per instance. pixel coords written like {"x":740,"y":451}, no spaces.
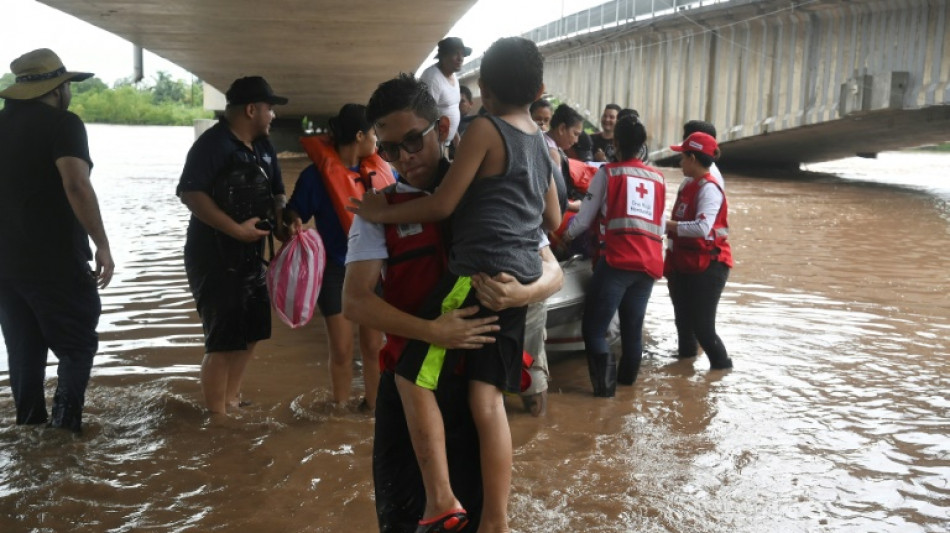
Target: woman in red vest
{"x":345,"y":164}
{"x":630,"y":198}
{"x":699,"y":259}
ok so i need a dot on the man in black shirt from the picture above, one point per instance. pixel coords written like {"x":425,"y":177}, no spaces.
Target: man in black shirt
{"x":603,"y":141}
{"x":232,"y":185}
{"x":48,"y":212}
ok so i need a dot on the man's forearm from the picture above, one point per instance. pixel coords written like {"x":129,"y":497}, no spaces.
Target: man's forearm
{"x":551,"y":280}
{"x":82,"y":198}
{"x":367,"y":309}
{"x":85,"y":205}
{"x":203,"y":207}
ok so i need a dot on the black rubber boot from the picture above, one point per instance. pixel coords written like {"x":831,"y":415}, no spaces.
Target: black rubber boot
{"x":610,"y":375}
{"x":627,"y":370}
{"x":595,"y":367}
{"x":67,"y":413}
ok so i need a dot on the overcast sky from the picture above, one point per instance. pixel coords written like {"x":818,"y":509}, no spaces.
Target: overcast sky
{"x":29,"y":25}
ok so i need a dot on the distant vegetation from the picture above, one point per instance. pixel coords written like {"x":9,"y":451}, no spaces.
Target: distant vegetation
{"x":163,"y":102}
{"x":945,"y":147}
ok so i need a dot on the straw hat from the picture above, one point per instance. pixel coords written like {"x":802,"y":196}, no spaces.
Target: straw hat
{"x":37,"y":73}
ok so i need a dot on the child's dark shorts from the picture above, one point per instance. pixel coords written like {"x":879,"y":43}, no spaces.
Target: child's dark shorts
{"x":498,"y":363}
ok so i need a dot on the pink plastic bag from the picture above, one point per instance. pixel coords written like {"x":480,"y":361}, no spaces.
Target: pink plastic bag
{"x":295,"y":277}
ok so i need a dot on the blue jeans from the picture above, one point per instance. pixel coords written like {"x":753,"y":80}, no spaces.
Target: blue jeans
{"x":612,"y":290}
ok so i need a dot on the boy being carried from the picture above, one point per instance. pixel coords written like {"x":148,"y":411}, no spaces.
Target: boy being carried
{"x":498,"y":191}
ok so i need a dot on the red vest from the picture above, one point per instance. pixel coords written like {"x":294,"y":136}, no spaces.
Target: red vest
{"x":692,"y":255}
{"x":340,"y":182}
{"x":632,"y":230}
{"x":417,"y":259}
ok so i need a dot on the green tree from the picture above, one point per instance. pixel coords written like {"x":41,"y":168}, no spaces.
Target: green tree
{"x":93,"y":84}
{"x":168,"y":103}
{"x":166,"y":89}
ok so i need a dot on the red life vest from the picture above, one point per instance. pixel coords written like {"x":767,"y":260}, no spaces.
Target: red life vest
{"x":417,"y":259}
{"x":632,"y":230}
{"x":342,"y":183}
{"x":692,"y":255}
{"x":581,"y":174}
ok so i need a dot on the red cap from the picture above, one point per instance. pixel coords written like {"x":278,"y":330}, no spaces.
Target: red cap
{"x":698,"y":142}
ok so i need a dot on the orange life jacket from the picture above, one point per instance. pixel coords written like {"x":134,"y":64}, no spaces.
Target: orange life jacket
{"x":581,"y":174}
{"x":342,"y":183}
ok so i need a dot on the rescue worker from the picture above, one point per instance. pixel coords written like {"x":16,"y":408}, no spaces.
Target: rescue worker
{"x":630,"y":198}
{"x":699,"y":259}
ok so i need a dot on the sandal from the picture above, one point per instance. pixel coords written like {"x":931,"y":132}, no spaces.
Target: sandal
{"x":449,"y":521}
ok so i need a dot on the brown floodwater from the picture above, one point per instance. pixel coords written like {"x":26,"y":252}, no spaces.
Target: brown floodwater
{"x":835,"y":417}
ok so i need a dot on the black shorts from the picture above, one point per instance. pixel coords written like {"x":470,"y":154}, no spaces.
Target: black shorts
{"x":400,"y":494}
{"x":233,"y":305}
{"x":330,"y":300}
{"x":498,"y":364}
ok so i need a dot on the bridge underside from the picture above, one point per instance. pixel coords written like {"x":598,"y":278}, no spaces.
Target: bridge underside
{"x":783,"y":82}
{"x":856,"y":135}
{"x":321,"y":54}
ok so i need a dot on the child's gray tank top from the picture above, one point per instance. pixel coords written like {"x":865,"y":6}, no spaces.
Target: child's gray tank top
{"x":495,"y":227}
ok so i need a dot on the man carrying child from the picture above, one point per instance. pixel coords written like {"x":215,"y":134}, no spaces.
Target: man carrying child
{"x":498,"y":192}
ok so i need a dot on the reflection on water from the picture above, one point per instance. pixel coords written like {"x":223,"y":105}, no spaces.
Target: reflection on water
{"x":834,"y":419}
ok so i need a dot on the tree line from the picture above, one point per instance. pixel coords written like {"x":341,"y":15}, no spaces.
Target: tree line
{"x":162,"y":102}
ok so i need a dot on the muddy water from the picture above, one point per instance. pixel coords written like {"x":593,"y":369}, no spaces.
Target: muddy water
{"x":834,"y":419}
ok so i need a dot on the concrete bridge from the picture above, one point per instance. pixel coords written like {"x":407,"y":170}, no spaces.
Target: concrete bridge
{"x":783,"y":81}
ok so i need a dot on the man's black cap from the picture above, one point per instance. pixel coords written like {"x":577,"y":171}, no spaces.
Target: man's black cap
{"x":250,"y":90}
{"x":451,"y":44}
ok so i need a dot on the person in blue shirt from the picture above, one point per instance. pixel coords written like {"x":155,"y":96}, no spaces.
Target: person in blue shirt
{"x":345,"y":164}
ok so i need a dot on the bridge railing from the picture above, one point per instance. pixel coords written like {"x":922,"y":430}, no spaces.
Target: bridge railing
{"x":611,"y":14}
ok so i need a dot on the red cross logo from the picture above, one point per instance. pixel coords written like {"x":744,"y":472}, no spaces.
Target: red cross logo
{"x":642,"y":190}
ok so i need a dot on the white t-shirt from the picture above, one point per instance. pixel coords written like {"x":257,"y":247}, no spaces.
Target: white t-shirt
{"x":367,"y":240}
{"x":446,"y":94}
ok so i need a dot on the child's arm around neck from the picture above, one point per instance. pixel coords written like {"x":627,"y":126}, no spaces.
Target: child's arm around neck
{"x":477,"y":155}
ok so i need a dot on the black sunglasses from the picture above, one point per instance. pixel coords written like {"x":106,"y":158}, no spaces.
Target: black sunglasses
{"x":411,"y":143}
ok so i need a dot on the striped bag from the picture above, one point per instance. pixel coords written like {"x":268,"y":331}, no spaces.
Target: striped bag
{"x":295,"y":276}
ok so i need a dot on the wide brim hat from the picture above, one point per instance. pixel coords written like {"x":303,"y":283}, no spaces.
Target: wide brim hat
{"x":37,"y":73}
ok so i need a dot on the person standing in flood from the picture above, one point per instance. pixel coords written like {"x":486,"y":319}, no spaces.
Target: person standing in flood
{"x":444,"y":85}
{"x":345,"y":164}
{"x":233,"y":187}
{"x":48,"y":213}
{"x":699,"y":258}
{"x":629,"y":198}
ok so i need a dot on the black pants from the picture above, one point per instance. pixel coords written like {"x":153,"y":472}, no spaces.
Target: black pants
{"x":39,"y":316}
{"x":695,"y":301}
{"x":400,"y":494}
